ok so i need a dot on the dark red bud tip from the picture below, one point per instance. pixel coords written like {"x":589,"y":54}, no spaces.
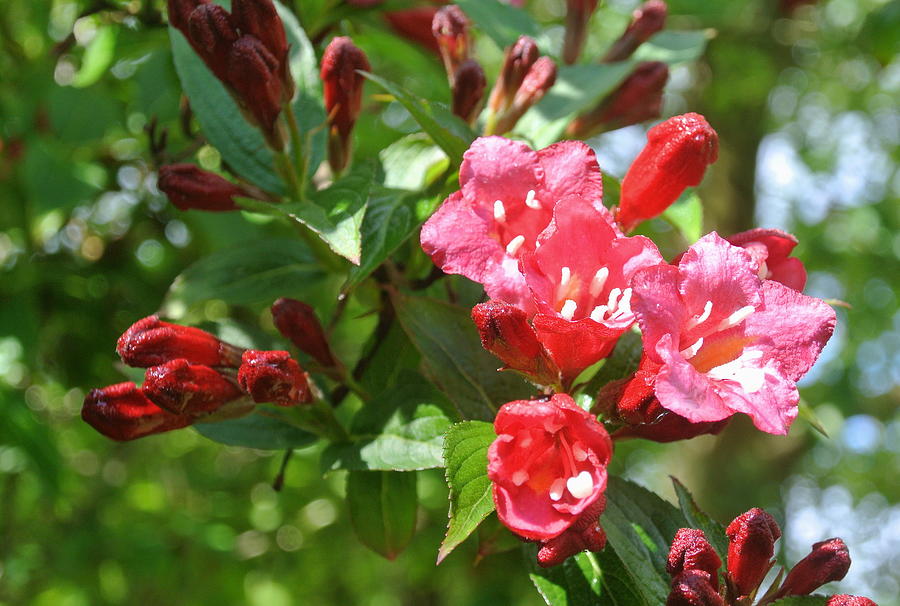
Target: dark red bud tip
{"x":849,"y":600}
{"x":578,"y":13}
{"x":540,"y":78}
{"x":273,"y":376}
{"x":691,"y":551}
{"x":516,"y":62}
{"x":694,"y":588}
{"x":675,"y":158}
{"x":188,"y":186}
{"x":122,"y":412}
{"x":414,"y":24}
{"x":828,"y":561}
{"x":298,"y":322}
{"x":751,"y":545}
{"x":211,"y":32}
{"x":585,"y":534}
{"x":468,"y":90}
{"x":645,"y":21}
{"x":260,"y":19}
{"x":253,"y":74}
{"x":451,"y":31}
{"x":343,"y":88}
{"x":184,"y":388}
{"x":180,"y":11}
{"x":151,"y":342}
{"x":505,"y":332}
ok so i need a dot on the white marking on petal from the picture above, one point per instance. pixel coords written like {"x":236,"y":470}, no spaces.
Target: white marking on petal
{"x":599,"y":281}
{"x":598,"y":313}
{"x":514,"y":245}
{"x":557,"y":488}
{"x":581,"y":486}
{"x":520,"y":477}
{"x":499,"y":211}
{"x":531,"y":202}
{"x":613,"y":298}
{"x":697,"y":320}
{"x":579,"y":453}
{"x":690,"y":352}
{"x":625,"y":301}
{"x":736,"y":318}
{"x":742,"y":371}
{"x":568,"y":309}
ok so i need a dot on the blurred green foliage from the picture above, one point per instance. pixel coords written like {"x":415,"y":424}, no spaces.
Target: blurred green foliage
{"x":805,"y":106}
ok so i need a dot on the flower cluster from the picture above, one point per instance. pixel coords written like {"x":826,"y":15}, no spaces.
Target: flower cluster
{"x":192,"y":376}
{"x":724,"y":327}
{"x":694,"y":566}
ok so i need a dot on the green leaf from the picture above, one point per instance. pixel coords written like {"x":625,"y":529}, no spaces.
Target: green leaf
{"x":623,"y":361}
{"x":686,"y":215}
{"x":617,"y":588}
{"x":401,"y":429}
{"x":575,"y":582}
{"x":449,"y":132}
{"x":807,"y":413}
{"x":252,"y":272}
{"x":453,"y":356}
{"x":697,"y":518}
{"x":503,"y":23}
{"x":382,"y":506}
{"x":256,"y":431}
{"x":465,"y":456}
{"x":802,"y":600}
{"x":407,"y":162}
{"x":673,"y":47}
{"x":98,"y":56}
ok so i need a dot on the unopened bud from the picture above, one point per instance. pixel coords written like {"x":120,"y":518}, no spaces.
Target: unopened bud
{"x":180,"y":11}
{"x":694,"y":588}
{"x":751,"y":545}
{"x":675,"y":157}
{"x":468,"y":90}
{"x":260,"y":19}
{"x":211,"y":32}
{"x":539,"y":79}
{"x":771,"y":249}
{"x":273,"y":376}
{"x":190,"y":187}
{"x":849,"y":600}
{"x":451,"y":30}
{"x":151,"y":342}
{"x":184,"y":388}
{"x":578,"y":13}
{"x":516,"y":62}
{"x":122,"y":412}
{"x":298,"y":322}
{"x":828,"y":561}
{"x":505,"y":332}
{"x":585,"y":534}
{"x":648,"y":19}
{"x":637,"y":99}
{"x":343,"y":88}
{"x":253,"y":74}
{"x":414,"y":24}
{"x":691,"y":551}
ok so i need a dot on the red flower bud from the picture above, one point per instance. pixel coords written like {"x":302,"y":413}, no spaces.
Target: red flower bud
{"x":298,"y":322}
{"x":751,"y":545}
{"x":254,"y":75}
{"x":584,"y":535}
{"x":188,"y":186}
{"x":151,"y":342}
{"x":694,"y":588}
{"x":184,"y":388}
{"x":415,"y":24}
{"x":646,"y":21}
{"x":273,"y":376}
{"x":675,"y":157}
{"x":122,"y":412}
{"x":849,"y":600}
{"x":211,"y":32}
{"x":770,"y":249}
{"x":260,"y":19}
{"x":450,"y":27}
{"x":468,"y":90}
{"x":828,"y":561}
{"x":505,"y":332}
{"x":578,"y":14}
{"x":540,"y":77}
{"x":691,"y":551}
{"x":516,"y":62}
{"x":180,"y":11}
{"x":343,"y":88}
{"x":637,"y":99}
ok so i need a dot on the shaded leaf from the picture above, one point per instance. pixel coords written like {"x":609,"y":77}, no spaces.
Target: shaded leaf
{"x":802,"y":600}
{"x":697,"y":518}
{"x":673,"y":47}
{"x":575,"y":582}
{"x":622,"y":362}
{"x":502,"y":22}
{"x":382,"y":506}
{"x":256,"y":431}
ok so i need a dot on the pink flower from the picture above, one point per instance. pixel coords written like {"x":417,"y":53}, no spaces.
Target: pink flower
{"x":547,"y":466}
{"x":727,"y":341}
{"x":506,"y":199}
{"x":771,"y":249}
{"x":579,"y":278}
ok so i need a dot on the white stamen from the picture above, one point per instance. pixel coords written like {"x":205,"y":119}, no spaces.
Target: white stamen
{"x":499,"y":212}
{"x":530,"y":202}
{"x":514,"y":245}
{"x":613,"y":298}
{"x":763,"y":272}
{"x":579,"y":453}
{"x":581,"y":486}
{"x":556,"y":489}
{"x":599,"y":281}
{"x":707,"y":309}
{"x":625,"y":302}
{"x":736,"y":318}
{"x":568,"y":309}
{"x":520,"y":477}
{"x":690,"y":352}
{"x":565,"y":276}
{"x":598,"y":313}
